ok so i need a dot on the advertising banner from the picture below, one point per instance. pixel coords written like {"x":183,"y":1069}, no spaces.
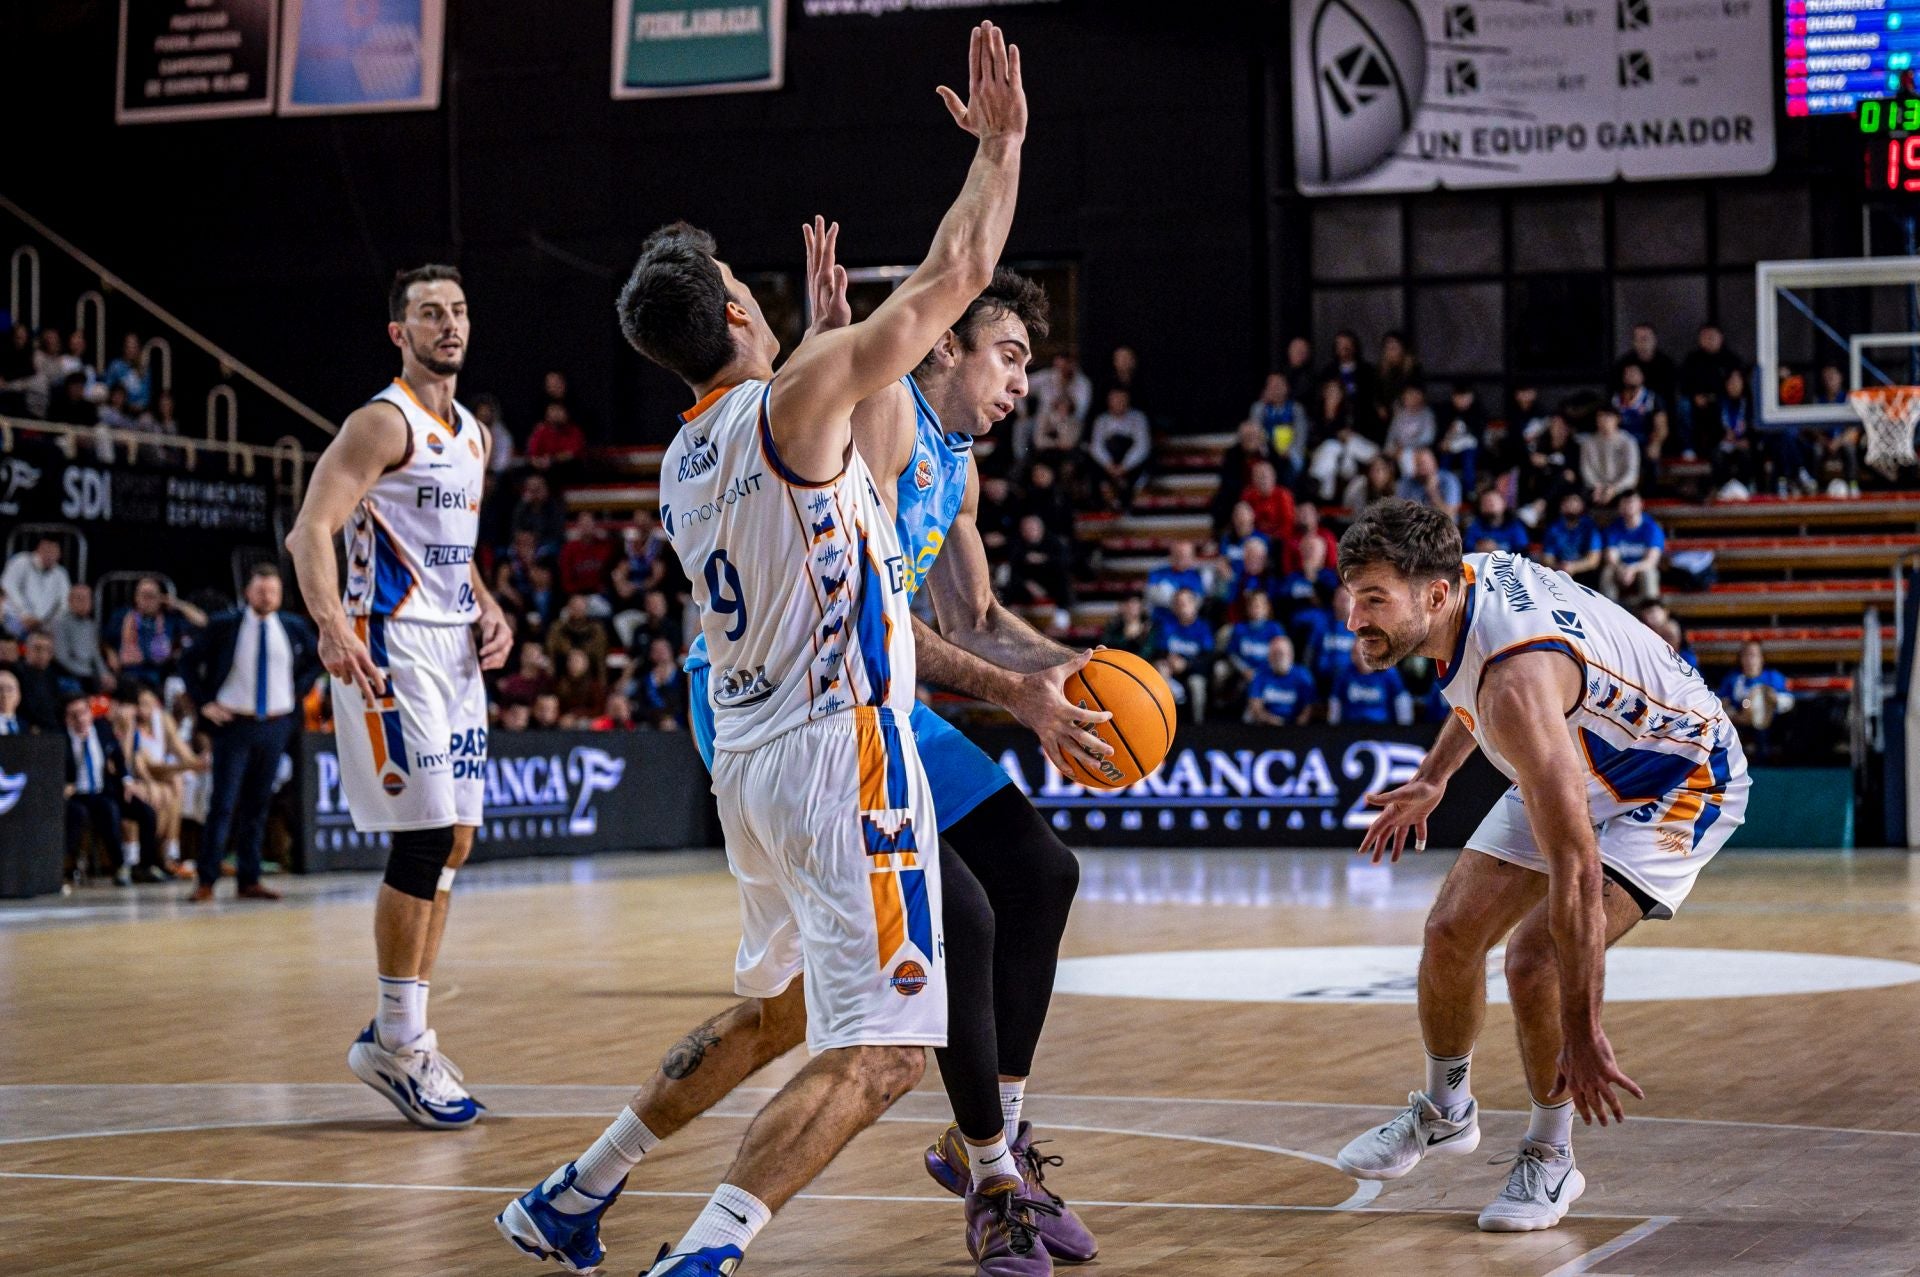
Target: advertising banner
{"x":1408,"y":95}
{"x":1228,"y":785}
{"x":40,"y":485}
{"x":887,"y":8}
{"x":673,"y":48}
{"x":341,"y":56}
{"x":32,"y":814}
{"x":547,"y":794}
{"x":194,"y":59}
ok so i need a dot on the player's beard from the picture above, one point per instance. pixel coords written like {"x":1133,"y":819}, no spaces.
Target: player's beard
{"x":438,"y":364}
{"x":1399,"y":646}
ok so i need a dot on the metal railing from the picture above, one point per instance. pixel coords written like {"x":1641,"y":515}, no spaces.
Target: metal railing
{"x":285,"y":460}
{"x":26,"y":255}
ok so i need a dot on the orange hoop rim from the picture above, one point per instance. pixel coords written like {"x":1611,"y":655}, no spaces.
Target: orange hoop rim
{"x":1900,"y":395}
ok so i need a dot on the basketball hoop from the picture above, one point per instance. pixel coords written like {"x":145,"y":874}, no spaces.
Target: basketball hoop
{"x":1889,"y":414}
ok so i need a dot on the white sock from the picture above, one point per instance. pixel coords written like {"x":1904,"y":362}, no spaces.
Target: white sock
{"x":1449,"y":1080}
{"x":130,"y":853}
{"x":1552,"y":1123}
{"x":402,"y":1012}
{"x":173,"y":849}
{"x":733,"y":1217}
{"x":989,"y":1160}
{"x":1012,"y":1096}
{"x":617,"y":1151}
{"x":421,"y":993}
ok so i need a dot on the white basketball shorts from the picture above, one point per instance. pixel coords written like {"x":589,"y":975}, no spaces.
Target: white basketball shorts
{"x":832,"y":838}
{"x":417,"y":757}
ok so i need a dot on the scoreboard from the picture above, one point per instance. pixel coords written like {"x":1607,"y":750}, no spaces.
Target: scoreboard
{"x":1840,"y":53}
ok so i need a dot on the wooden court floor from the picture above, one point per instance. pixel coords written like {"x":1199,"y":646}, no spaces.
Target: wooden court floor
{"x":174,"y":1097}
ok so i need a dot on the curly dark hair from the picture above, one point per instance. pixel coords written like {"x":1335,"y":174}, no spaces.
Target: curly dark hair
{"x":673,"y":309}
{"x":1010,"y":293}
{"x":1416,"y":541}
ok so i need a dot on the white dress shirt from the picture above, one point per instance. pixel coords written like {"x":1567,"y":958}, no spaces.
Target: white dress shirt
{"x":9,"y":725}
{"x":38,"y":593}
{"x":240,"y":693}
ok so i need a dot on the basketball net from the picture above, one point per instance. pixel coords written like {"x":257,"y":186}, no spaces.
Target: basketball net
{"x":1889,"y":414}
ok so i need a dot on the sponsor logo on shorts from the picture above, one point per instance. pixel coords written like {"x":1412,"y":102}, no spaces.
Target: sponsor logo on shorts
{"x":908,"y":979}
{"x":429,"y":762}
{"x":394,"y":784}
{"x":444,"y":556}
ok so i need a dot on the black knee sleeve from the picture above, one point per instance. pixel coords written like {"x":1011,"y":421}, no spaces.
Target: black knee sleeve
{"x":418,"y":856}
{"x":969,"y":1063}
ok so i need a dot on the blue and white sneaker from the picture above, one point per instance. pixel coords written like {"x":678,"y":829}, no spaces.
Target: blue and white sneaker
{"x":422,"y":1083}
{"x":713,"y":1261}
{"x":539,"y":1228}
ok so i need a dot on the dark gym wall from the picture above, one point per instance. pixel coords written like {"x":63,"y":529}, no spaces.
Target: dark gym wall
{"x":276,"y":236}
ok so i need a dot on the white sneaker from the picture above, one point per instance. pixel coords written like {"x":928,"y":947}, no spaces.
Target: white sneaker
{"x":422,"y":1083}
{"x":1543,"y":1184}
{"x":1390,"y":1151}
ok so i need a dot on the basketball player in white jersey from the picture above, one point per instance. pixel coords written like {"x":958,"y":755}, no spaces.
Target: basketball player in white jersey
{"x":830,"y":825}
{"x":1628,"y":778}
{"x":406,"y":647}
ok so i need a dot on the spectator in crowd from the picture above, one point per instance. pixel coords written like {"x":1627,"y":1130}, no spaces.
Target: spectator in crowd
{"x":1379,"y":697}
{"x":618,"y":715}
{"x":1183,"y":648}
{"x":148,"y":635}
{"x":576,"y":630}
{"x":1494,"y":528}
{"x":1526,"y":417}
{"x":532,"y":676}
{"x":1379,"y":481}
{"x":50,"y":369}
{"x":1552,"y":470}
{"x":587,"y":556}
{"x":36,"y":583}
{"x":11,"y":723}
{"x":1345,"y":444}
{"x":656,"y":621}
{"x":74,"y":363}
{"x":1045,"y":500}
{"x":16,"y":373}
{"x":582,"y":685}
{"x":1357,"y":379}
{"x":1121,"y":444}
{"x":501,"y":453}
{"x":129,"y":372}
{"x":650,"y":554}
{"x":1332,"y":652}
{"x":1250,"y":444}
{"x":1726,"y":431}
{"x":114,"y":414}
{"x":1306,"y":527}
{"x":553,"y":389}
{"x":249,"y":669}
{"x":1182,"y":571}
{"x":160,"y":419}
{"x":1412,"y":428}
{"x":1056,"y":437}
{"x":1123,"y":373}
{"x":515,"y":716}
{"x":557,"y":441}
{"x":41,"y":696}
{"x":1243,"y":646}
{"x":540,"y":512}
{"x":1129,"y":630}
{"x":623,"y":604}
{"x":1311,"y":584}
{"x":1281,"y":693}
{"x":1651,"y":368}
{"x":1838,"y":446}
{"x":1038,"y":568}
{"x":1257,"y":575}
{"x":1399,"y":369}
{"x":1233,"y":542}
{"x":1654,"y":615}
{"x":1633,"y":545}
{"x":1572,"y":543}
{"x":70,"y":406}
{"x":1643,"y":414}
{"x":996,"y":518}
{"x":1609,"y":459}
{"x":1282,"y":425}
{"x":1463,"y":428}
{"x":141,"y":789}
{"x":1272,"y":504}
{"x":1430,"y":485}
{"x":97,"y":796}
{"x":1703,"y":380}
{"x":663,"y":688}
{"x":165,"y":760}
{"x":546,"y":713}
{"x":1060,"y":379}
{"x":1753,"y":694}
{"x":1299,"y":364}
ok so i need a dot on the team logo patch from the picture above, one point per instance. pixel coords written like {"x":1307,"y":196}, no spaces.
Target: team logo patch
{"x":436,"y":445}
{"x":1466,"y":719}
{"x":908,"y":979}
{"x":923,"y":474}
{"x":394,"y":785}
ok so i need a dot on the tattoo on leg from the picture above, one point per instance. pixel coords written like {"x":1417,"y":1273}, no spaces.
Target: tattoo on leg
{"x":686,"y":1055}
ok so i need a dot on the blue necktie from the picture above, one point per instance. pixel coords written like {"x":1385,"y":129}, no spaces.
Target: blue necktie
{"x":92,"y":781}
{"x":260,"y":675}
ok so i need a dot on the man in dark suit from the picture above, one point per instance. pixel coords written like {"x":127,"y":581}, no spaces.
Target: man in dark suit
{"x":249,"y":670}
{"x":97,"y":796}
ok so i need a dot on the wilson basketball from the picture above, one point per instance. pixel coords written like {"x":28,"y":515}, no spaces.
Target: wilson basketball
{"x":1141,"y":730}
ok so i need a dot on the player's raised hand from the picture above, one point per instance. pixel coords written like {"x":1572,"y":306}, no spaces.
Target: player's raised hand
{"x":996,"y":105}
{"x":346,"y":658}
{"x":826,"y":277}
{"x":1041,"y":704}
{"x":1402,"y":811}
{"x":1589,"y":1073}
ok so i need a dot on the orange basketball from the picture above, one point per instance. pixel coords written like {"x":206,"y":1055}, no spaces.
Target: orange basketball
{"x":1141,"y":730}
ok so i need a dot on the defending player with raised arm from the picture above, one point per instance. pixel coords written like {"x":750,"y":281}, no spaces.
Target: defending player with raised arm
{"x":405,"y":647}
{"x":797,"y":569}
{"x":1627,"y":777}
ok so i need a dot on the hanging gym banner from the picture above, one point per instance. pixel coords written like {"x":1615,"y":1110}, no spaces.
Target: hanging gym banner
{"x":1408,"y":95}
{"x":195,"y":59}
{"x":674,"y":48}
{"x":344,"y":56}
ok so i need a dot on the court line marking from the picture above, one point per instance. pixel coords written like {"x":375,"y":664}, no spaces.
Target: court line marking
{"x":1584,"y":1263}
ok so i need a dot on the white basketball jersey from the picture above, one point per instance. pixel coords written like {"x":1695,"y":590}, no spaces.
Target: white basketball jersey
{"x":801,"y":587}
{"x":1653,"y":736}
{"x":410,"y":541}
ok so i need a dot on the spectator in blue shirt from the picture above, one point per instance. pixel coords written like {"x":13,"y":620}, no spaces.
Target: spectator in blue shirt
{"x":1256,"y":576}
{"x":1370,"y":698}
{"x":1430,"y":485}
{"x":1282,"y":692}
{"x":128,"y":373}
{"x":1313,"y":585}
{"x":1572,"y":544}
{"x":1331,"y":650}
{"x":1739,"y":689}
{"x":1494,"y":528}
{"x":1233,"y":542}
{"x":1183,"y":571}
{"x":1634,"y":545}
{"x":1243,"y":648}
{"x":1183,"y":649}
